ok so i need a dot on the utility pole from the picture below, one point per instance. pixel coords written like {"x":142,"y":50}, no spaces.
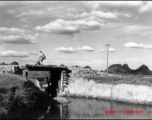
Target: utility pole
{"x":107,"y":56}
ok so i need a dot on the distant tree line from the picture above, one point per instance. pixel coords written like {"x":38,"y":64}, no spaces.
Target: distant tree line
{"x":12,"y":63}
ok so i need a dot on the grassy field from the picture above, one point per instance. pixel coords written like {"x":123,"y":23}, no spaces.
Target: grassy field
{"x":117,"y":79}
{"x":114,"y":78}
{"x":17,"y":92}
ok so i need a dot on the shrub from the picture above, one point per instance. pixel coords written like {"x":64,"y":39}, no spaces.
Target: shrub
{"x":17,"y":92}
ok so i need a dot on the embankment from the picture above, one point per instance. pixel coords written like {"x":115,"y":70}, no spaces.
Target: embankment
{"x":138,"y":94}
{"x":18,"y":95}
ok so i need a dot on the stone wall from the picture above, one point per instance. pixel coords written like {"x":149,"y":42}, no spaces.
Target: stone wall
{"x":139,"y":94}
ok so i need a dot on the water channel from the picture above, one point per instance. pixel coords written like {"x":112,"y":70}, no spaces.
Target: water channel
{"x":81,"y":108}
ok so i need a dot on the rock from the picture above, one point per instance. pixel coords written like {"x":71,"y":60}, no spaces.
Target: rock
{"x":37,"y":83}
{"x":45,"y":85}
{"x":61,"y":99}
{"x":64,"y":93}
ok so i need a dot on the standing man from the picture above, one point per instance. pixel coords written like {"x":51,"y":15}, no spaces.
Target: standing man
{"x":41,"y":58}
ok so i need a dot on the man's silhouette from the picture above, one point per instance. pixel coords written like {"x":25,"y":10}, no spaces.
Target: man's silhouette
{"x":41,"y":58}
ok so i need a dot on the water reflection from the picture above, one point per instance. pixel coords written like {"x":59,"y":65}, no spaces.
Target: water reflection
{"x":52,"y":112}
{"x":95,"y":109}
{"x":89,"y":109}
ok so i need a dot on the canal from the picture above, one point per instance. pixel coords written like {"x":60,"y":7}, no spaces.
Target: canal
{"x":81,"y":108}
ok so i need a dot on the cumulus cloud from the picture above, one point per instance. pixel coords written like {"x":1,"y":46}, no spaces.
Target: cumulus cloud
{"x":94,"y":18}
{"x":110,"y":50}
{"x":13,"y":30}
{"x":135,"y":45}
{"x":64,"y":27}
{"x":18,"y":39}
{"x":101,"y":14}
{"x":66,"y":50}
{"x":123,"y":14}
{"x":14,"y":54}
{"x":86,"y":48}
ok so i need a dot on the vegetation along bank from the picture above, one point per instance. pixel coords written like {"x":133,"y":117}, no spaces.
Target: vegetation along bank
{"x":18,"y":95}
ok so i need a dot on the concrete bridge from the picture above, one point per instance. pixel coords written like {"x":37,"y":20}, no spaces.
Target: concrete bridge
{"x":56,"y":76}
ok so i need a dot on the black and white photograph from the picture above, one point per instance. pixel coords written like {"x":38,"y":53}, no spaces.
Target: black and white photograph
{"x":75,"y":59}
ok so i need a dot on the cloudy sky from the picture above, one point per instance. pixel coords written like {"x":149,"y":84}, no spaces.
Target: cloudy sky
{"x":75,"y":33}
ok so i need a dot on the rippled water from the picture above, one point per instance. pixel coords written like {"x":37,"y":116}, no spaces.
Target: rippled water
{"x":89,"y":108}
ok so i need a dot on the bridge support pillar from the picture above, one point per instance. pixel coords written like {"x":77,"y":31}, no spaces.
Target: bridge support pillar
{"x":25,"y":73}
{"x":61,"y":81}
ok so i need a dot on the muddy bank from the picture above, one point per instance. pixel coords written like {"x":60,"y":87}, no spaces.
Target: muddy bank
{"x":138,"y":94}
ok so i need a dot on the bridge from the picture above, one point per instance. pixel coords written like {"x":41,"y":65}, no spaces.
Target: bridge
{"x":56,"y":75}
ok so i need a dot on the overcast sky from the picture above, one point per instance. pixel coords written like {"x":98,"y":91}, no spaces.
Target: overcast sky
{"x":75,"y":33}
